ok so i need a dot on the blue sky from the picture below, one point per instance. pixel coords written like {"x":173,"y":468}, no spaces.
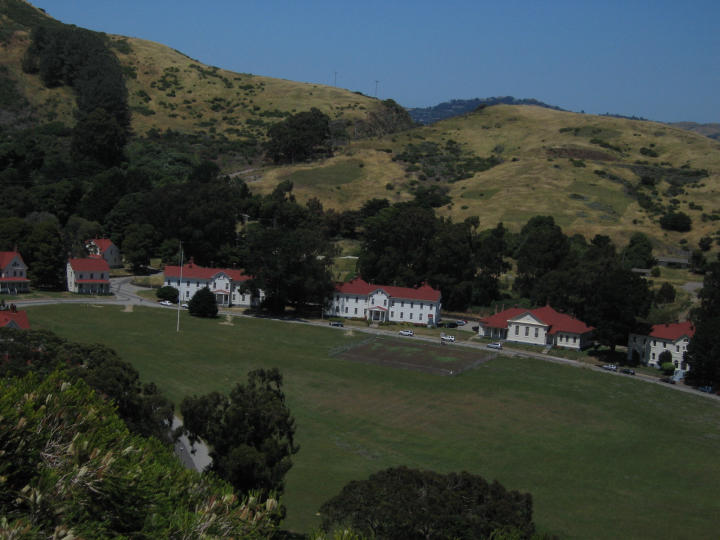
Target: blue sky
{"x":656,"y":59}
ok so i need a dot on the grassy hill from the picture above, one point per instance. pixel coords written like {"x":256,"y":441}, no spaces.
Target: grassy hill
{"x":169,"y":90}
{"x":591,"y":172}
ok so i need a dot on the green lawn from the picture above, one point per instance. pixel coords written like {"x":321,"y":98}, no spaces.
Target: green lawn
{"x":603,"y":456}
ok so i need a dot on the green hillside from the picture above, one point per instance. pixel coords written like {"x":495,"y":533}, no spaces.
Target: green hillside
{"x":592,"y":173}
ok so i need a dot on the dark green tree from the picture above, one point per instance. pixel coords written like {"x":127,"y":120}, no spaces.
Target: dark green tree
{"x":638,"y":252}
{"x":542,"y":248}
{"x":703,"y":354}
{"x":167,"y":293}
{"x":676,"y":221}
{"x":250,"y":431}
{"x":665,"y":294}
{"x":409,"y":503}
{"x":138,"y":245}
{"x":300,"y":137}
{"x":45,"y":255}
{"x":203,"y":304}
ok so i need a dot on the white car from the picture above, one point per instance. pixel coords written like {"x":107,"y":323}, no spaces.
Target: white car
{"x":184,"y":306}
{"x":166,"y":303}
{"x":496,"y":345}
{"x":406,"y":333}
{"x":447,"y":339}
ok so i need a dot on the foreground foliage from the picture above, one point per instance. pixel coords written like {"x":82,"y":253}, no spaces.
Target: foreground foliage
{"x":71,"y":468}
{"x":408,"y":503}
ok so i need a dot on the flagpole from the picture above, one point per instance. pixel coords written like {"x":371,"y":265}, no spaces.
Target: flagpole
{"x":179,"y":288}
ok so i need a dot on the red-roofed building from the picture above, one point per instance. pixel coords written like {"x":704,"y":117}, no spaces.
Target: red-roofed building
{"x":673,"y":338}
{"x":358,"y":299}
{"x":540,"y":326}
{"x":225,"y":283}
{"x":88,"y":276}
{"x":104,"y":248}
{"x":13,"y":273}
{"x":14,"y":319}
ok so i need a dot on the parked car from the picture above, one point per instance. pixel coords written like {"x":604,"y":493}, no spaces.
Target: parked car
{"x":406,"y":333}
{"x":336,"y":323}
{"x":610,"y":367}
{"x":166,"y":303}
{"x":628,"y":371}
{"x":706,"y":389}
{"x":460,"y":322}
{"x":476,"y":328}
{"x":447,"y":339}
{"x":448,"y":325}
{"x":184,"y":306}
{"x":496,"y":345}
{"x":667,"y":380}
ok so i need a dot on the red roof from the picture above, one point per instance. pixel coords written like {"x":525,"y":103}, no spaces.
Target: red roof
{"x":554,"y":320}
{"x":19,"y":318}
{"x":360,"y":287}
{"x":89,"y":265}
{"x":102,"y":243}
{"x":193,"y":271}
{"x":6,"y":258}
{"x":673,"y":331}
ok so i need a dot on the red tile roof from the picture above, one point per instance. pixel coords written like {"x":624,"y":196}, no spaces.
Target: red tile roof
{"x":554,"y":320}
{"x":673,"y":331}
{"x":102,"y":243}
{"x":361,"y":287}
{"x":193,"y":271}
{"x":89,"y":265}
{"x":6,"y":258}
{"x":19,"y":318}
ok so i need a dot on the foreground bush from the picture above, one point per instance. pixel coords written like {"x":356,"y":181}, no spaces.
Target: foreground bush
{"x":71,"y":468}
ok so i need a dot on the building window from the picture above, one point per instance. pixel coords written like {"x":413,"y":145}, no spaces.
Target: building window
{"x":401,"y":314}
{"x":536,"y":332}
{"x":385,"y":302}
{"x":187,"y":294}
{"x":677,"y":348}
{"x":355,"y":311}
{"x":402,"y":304}
{"x":392,"y":314}
{"x":527,"y":330}
{"x":574,"y":339}
{"x":653,"y":356}
{"x":346,"y":309}
{"x":411,"y":316}
{"x":411,"y":304}
{"x":517,"y":330}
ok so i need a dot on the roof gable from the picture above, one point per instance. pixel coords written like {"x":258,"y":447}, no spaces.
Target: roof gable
{"x":193,"y":271}
{"x":7,"y":257}
{"x":673,"y":331}
{"x":527,"y":317}
{"x":103,"y":244}
{"x":18,"y":319}
{"x":362,"y":288}
{"x":89,"y":265}
{"x":554,"y":320}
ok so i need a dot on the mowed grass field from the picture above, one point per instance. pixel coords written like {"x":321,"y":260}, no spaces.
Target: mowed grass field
{"x":604,"y":456}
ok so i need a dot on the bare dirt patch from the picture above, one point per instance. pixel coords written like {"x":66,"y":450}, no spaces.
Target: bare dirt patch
{"x":431,"y":358}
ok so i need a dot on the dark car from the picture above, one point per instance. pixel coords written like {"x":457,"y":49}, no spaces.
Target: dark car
{"x":667,"y":380}
{"x":449,"y":325}
{"x":706,"y":389}
{"x":336,"y":323}
{"x":628,"y":371}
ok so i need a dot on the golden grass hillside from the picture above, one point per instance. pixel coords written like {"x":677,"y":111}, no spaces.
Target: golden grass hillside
{"x":575,"y":167}
{"x":169,"y":90}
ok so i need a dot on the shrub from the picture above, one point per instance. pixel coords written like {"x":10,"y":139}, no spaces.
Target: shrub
{"x":167,"y":293}
{"x":203,"y":304}
{"x":668,"y":368}
{"x":676,"y":221}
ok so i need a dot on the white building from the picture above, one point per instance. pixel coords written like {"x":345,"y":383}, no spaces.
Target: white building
{"x":673,"y":338}
{"x":225,"y":283}
{"x":103,"y":247}
{"x":540,"y":326}
{"x":88,"y":276}
{"x":13,"y":273}
{"x":358,"y":299}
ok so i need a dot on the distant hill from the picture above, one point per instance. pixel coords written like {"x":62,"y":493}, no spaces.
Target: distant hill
{"x":709,"y":130}
{"x":457,"y":107}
